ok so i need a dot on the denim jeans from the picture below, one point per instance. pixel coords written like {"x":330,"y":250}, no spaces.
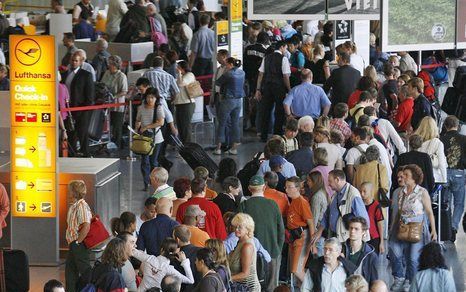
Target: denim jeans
{"x":149,"y":162}
{"x":229,"y":110}
{"x":404,"y":252}
{"x":456,"y":180}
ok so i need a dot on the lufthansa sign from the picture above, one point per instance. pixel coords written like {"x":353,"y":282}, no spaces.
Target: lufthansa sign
{"x":33,"y":126}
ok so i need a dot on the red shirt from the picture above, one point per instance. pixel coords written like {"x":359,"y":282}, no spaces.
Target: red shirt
{"x":354,"y":98}
{"x":404,"y":113}
{"x":213,"y":221}
{"x":375,"y":215}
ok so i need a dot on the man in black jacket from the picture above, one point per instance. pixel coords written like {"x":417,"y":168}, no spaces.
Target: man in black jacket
{"x":81,"y":88}
{"x":182,"y":235}
{"x":422,"y":107}
{"x":455,"y":151}
{"x":328,"y":271}
{"x":343,"y":80}
{"x":360,"y":253}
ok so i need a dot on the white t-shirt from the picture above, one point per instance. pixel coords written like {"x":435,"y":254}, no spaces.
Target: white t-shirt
{"x":357,"y":62}
{"x":353,"y":155}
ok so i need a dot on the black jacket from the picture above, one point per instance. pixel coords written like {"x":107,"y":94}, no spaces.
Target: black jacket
{"x":133,"y":22}
{"x":455,"y":149}
{"x":191,"y":252}
{"x":225,"y":203}
{"x":316,"y":267}
{"x":343,"y":82}
{"x":421,"y":108}
{"x":367,"y":262}
{"x":81,"y":90}
{"x":422,"y":160}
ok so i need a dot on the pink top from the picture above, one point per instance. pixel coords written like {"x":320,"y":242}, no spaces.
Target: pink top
{"x":4,"y":208}
{"x":324,"y":170}
{"x":62,"y":97}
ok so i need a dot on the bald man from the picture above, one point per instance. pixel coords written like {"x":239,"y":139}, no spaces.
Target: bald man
{"x":306,"y":99}
{"x":154,"y":231}
{"x":379,"y":286}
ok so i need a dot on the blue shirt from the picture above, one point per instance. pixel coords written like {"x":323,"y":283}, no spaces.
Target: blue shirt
{"x":357,"y":207}
{"x":307,"y":99}
{"x":153,"y":232}
{"x":232,"y":240}
{"x":232,"y":83}
{"x":288,"y":169}
{"x":203,"y":43}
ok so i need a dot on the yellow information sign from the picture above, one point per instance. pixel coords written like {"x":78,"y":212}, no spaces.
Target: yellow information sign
{"x":236,"y":10}
{"x":222,"y":27}
{"x":33,"y":126}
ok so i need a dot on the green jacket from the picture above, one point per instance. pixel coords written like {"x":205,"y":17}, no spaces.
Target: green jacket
{"x":269,"y":228}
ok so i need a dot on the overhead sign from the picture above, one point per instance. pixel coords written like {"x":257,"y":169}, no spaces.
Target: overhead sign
{"x":353,"y":9}
{"x":221,"y":28}
{"x":461,"y":25}
{"x":418,"y":25}
{"x":287,"y":10}
{"x":343,"y":30}
{"x":33,"y":126}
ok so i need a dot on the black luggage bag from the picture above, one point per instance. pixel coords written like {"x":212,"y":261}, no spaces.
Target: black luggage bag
{"x":451,"y":101}
{"x":195,"y":156}
{"x":445,"y":221}
{"x":14,"y":267}
{"x":96,"y":124}
{"x":460,"y":79}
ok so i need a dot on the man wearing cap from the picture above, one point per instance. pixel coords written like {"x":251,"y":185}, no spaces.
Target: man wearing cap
{"x":192,"y":216}
{"x":154,"y":231}
{"x":269,"y":225}
{"x":212,"y":223}
{"x":203,"y":173}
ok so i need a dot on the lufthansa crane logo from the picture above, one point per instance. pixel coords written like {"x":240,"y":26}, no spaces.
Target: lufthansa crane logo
{"x":28,"y":52}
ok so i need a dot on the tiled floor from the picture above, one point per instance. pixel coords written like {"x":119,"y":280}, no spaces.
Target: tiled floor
{"x":132,"y":199}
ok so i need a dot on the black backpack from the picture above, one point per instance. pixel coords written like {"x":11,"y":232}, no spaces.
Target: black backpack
{"x":102,"y":93}
{"x":248,"y":171}
{"x":351,"y":120}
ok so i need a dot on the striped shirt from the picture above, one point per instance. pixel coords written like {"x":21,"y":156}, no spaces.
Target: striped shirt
{"x":163,"y":81}
{"x":78,"y":213}
{"x":146,"y":117}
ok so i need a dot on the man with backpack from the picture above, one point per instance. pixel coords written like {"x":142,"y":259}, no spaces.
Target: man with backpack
{"x":353,"y":156}
{"x":422,"y":107}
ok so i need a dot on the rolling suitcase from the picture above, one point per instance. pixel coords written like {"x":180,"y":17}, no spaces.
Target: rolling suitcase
{"x":14,"y":271}
{"x":445,"y":221}
{"x":195,"y":156}
{"x":96,"y":124}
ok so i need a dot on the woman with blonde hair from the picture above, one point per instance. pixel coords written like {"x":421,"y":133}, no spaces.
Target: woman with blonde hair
{"x":322,"y":139}
{"x":243,"y":258}
{"x":319,"y":66}
{"x":432,"y":145}
{"x":371,"y":72}
{"x":107,"y":276}
{"x":220,"y":259}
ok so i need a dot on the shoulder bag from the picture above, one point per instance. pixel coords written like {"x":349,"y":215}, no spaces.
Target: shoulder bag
{"x":194,"y":89}
{"x":143,"y":144}
{"x":97,"y":234}
{"x":408,"y":231}
{"x":384,"y":201}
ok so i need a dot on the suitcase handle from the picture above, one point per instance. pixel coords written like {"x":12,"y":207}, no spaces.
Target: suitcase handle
{"x":177,"y":141}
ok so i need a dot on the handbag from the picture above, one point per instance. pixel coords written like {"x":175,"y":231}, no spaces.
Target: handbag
{"x":194,"y":89}
{"x":384,"y":201}
{"x":408,"y":231}
{"x":142,"y":145}
{"x":97,"y":234}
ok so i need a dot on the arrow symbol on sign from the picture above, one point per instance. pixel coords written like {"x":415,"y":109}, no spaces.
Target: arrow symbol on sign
{"x":31,"y":184}
{"x":33,"y":207}
{"x":32,"y":149}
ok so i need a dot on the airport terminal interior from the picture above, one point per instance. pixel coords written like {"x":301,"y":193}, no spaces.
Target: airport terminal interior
{"x":232,"y":146}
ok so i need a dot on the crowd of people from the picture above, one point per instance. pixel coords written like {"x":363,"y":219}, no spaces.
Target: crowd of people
{"x":354,"y":158}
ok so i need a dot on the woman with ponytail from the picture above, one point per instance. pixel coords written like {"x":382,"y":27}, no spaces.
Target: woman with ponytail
{"x":229,"y":107}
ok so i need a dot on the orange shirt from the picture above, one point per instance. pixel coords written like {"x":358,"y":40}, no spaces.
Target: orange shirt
{"x":198,"y":237}
{"x":278,"y":197}
{"x":298,"y":213}
{"x":210,"y":194}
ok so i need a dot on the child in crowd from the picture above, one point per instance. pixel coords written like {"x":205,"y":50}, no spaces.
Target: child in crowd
{"x":291,"y":130}
{"x":148,"y":213}
{"x":376,"y":218}
{"x":276,"y":164}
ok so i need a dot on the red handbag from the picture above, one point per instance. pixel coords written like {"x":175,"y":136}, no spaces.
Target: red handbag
{"x":97,"y":234}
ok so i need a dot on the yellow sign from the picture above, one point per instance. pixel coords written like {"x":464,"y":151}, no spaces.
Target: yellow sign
{"x":236,"y":10}
{"x":33,"y":126}
{"x":222,"y":27}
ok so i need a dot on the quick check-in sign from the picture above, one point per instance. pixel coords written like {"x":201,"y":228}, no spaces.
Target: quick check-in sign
{"x":33,"y":126}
